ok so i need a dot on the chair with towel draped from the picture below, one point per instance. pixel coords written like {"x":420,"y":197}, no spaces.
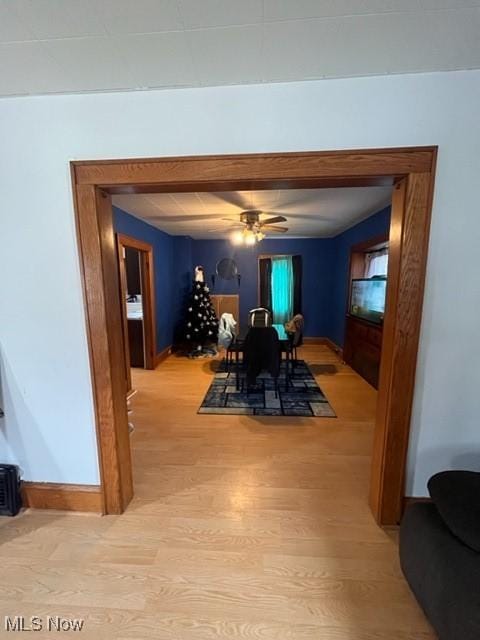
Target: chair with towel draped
{"x":227,"y":330}
{"x":294,"y":328}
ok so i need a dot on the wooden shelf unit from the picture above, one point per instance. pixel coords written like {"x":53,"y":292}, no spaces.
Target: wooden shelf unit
{"x":363,"y":339}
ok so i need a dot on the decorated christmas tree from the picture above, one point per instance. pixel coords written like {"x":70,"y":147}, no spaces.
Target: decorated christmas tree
{"x":201,"y":323}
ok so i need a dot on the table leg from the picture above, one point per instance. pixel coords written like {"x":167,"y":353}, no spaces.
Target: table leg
{"x":287,"y":377}
{"x":237,"y":381}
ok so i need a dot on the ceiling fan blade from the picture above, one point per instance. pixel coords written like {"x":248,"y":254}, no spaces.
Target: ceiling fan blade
{"x":270,"y":227}
{"x":273,"y":220}
{"x":186,"y":217}
{"x":311,"y":218}
{"x":225,"y":229}
{"x":232,"y":198}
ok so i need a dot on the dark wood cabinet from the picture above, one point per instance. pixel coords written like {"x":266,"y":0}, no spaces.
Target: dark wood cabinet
{"x":363,"y":348}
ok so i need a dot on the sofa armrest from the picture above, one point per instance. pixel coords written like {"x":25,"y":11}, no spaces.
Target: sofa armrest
{"x":456,"y":495}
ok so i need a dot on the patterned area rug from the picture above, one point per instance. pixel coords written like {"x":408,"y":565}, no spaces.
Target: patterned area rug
{"x":303,"y":397}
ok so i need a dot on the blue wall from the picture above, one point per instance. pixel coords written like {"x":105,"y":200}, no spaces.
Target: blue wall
{"x":318,"y":258}
{"x":325,"y":272}
{"x":374,"y":226}
{"x":324,"y":281}
{"x":172,"y":260}
{"x":182,"y":277}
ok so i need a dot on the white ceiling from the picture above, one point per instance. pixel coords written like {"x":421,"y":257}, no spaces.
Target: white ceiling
{"x":62,"y":46}
{"x":310,"y":213}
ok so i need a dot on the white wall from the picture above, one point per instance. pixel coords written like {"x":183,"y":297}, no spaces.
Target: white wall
{"x":45,"y":373}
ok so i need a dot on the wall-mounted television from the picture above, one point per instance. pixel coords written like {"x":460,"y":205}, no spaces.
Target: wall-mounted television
{"x":367,"y":299}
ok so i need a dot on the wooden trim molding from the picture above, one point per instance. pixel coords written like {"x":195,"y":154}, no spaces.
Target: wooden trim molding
{"x":163,"y":355}
{"x":408,"y":248}
{"x":64,"y":497}
{"x":412,"y":170}
{"x":134,"y":243}
{"x":103,"y":308}
{"x":313,"y":340}
{"x":147,"y":275}
{"x":367,"y":245}
{"x":334,"y":347}
{"x":265,"y":169}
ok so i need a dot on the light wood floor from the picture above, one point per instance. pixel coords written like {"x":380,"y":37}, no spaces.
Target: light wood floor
{"x":241,"y":527}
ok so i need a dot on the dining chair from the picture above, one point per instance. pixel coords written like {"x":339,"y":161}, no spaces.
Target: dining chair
{"x":261,"y":350}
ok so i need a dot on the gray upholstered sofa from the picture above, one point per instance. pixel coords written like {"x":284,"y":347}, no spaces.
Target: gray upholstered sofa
{"x":440,"y":554}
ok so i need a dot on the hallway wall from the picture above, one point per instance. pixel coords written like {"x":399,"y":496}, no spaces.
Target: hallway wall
{"x":49,"y":424}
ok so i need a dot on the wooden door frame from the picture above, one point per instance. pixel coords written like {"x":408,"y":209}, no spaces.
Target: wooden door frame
{"x":413,"y":171}
{"x":147,"y":276}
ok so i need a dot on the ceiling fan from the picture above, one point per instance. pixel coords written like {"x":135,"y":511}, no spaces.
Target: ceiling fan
{"x":251,"y":228}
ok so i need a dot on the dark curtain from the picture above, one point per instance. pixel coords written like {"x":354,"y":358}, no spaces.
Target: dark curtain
{"x":297,"y":284}
{"x":265,"y":275}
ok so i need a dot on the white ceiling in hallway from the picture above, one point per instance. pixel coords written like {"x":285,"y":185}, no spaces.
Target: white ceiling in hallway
{"x":64,"y":46}
{"x":310,"y":213}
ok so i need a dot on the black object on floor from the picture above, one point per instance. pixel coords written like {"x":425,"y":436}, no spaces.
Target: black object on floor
{"x":10,"y":496}
{"x":439,"y":554}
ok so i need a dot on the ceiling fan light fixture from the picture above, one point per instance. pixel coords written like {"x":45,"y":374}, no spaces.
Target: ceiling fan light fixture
{"x":252,"y":231}
{"x":237,"y":238}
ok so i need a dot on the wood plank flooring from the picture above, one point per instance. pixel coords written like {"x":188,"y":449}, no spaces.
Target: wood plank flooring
{"x":241,"y":527}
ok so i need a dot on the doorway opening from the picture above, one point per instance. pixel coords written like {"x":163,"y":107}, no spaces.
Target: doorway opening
{"x":137,"y":293}
{"x":412,"y":172}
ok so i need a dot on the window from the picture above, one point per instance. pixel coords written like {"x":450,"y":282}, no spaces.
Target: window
{"x":280,"y":286}
{"x":376,"y":263}
{"x":282,"y":289}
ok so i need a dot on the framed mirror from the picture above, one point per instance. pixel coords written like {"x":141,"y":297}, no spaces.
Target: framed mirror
{"x":227,"y":269}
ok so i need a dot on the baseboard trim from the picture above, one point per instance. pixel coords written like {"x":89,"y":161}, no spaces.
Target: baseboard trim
{"x":324,"y":341}
{"x":334,"y":347}
{"x":64,"y":497}
{"x":160,"y":357}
